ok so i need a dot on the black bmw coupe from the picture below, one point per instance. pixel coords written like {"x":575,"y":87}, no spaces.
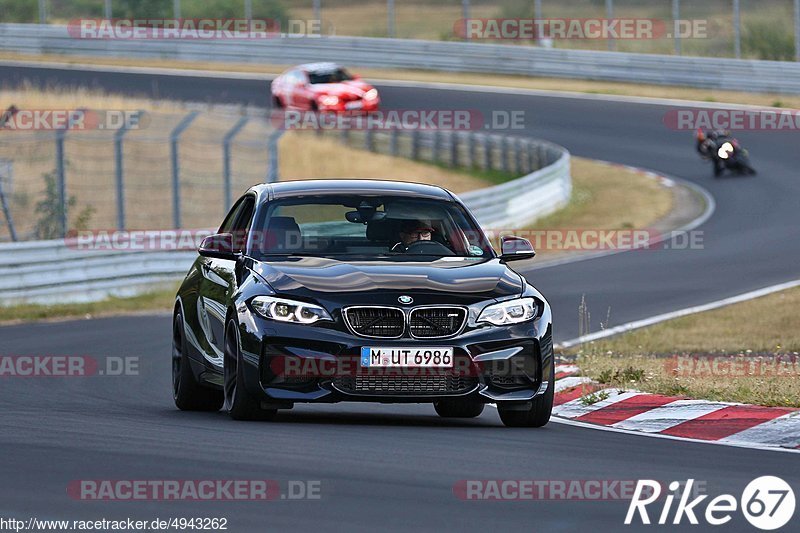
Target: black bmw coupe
{"x":351,"y":290}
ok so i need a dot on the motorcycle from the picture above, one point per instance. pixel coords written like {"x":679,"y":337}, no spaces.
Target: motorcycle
{"x":727,"y":154}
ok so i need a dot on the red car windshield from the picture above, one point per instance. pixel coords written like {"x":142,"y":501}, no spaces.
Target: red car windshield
{"x":333,"y":76}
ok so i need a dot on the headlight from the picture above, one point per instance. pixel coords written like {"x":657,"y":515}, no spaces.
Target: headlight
{"x":725,"y":150}
{"x":329,"y":100}
{"x":288,"y":310}
{"x":372,"y":94}
{"x":510,"y":312}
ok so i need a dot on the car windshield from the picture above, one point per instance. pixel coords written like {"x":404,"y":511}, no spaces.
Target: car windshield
{"x":393,"y":227}
{"x":329,"y":76}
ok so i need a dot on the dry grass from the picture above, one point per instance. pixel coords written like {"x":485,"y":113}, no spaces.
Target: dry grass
{"x":597,"y":186}
{"x":304,"y":156}
{"x":752,"y":332}
{"x":517,"y":82}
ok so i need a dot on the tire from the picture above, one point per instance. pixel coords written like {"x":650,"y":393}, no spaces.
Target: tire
{"x":538,"y":414}
{"x":277,"y":103}
{"x":456,"y":408}
{"x":718,"y":169}
{"x":239,"y":404}
{"x":188,"y":394}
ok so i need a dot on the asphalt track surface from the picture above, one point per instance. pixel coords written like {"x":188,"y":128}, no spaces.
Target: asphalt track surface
{"x":394,"y":467}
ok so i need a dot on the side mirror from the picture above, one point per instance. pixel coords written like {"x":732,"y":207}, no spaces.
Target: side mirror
{"x":516,"y":249}
{"x":218,"y":246}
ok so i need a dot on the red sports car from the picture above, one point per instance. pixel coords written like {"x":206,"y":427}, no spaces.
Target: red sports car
{"x":323,"y":87}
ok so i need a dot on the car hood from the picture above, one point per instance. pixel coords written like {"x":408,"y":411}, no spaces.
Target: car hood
{"x":447,"y":280}
{"x":352,"y":87}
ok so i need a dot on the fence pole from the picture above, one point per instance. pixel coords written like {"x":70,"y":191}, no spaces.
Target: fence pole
{"x":226,"y":161}
{"x":176,"y":170}
{"x":453,"y":149}
{"x":612,"y":44}
{"x":272,"y":146}
{"x":61,"y":181}
{"x":487,"y":153}
{"x":107,"y":9}
{"x":737,"y":30}
{"x":248,"y":9}
{"x":676,"y":16}
{"x":471,"y":149}
{"x":176,"y":8}
{"x":369,"y":139}
{"x":119,"y":172}
{"x":390,"y":18}
{"x":42,"y":11}
{"x":465,"y":16}
{"x":318,"y":11}
{"x":415,"y":144}
{"x":797,"y":30}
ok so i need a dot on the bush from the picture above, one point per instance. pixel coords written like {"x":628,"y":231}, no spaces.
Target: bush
{"x":765,"y":40}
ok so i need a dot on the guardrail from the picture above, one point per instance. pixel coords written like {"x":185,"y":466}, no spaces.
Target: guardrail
{"x":59,"y":271}
{"x":702,"y":72}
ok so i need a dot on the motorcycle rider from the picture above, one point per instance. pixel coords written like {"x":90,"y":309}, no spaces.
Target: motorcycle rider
{"x":707,"y":145}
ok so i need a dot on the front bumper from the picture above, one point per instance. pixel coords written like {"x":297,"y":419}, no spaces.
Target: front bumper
{"x":287,"y":363}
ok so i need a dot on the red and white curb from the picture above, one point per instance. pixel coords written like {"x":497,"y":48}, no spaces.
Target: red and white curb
{"x":580,"y":400}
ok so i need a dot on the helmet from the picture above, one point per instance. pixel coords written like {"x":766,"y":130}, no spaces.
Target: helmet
{"x":700,"y":135}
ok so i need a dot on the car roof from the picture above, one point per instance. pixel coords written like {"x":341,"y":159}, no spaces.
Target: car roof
{"x":288,"y":189}
{"x":319,"y":67}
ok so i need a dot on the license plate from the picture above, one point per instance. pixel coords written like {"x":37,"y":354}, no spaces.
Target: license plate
{"x":356,"y":104}
{"x":380,"y":357}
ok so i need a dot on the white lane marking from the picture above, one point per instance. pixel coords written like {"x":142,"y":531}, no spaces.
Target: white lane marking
{"x":749,"y":445}
{"x":637,"y":324}
{"x":670,"y":415}
{"x":576,"y":408}
{"x":781,"y":431}
{"x":569,"y":382}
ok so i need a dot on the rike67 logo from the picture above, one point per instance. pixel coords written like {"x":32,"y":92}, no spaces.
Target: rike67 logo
{"x":767,"y":502}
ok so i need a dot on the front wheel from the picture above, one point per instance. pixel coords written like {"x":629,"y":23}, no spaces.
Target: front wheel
{"x":188,"y":394}
{"x":240,"y":404}
{"x":538,"y":414}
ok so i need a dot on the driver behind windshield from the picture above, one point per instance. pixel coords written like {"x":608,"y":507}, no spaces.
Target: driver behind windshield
{"x":412,"y":231}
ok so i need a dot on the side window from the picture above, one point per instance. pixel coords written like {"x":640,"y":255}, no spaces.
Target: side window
{"x":230,"y":219}
{"x":244,"y":220}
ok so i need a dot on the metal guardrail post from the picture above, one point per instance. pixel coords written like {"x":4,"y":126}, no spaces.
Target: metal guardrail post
{"x":119,"y":172}
{"x":435,"y":146}
{"x":393,"y":150}
{"x":453,"y":149}
{"x":415,"y":144}
{"x":176,"y":170}
{"x":504,"y":153}
{"x":272,"y":147}
{"x":344,"y":136}
{"x":487,"y":153}
{"x":518,"y":156}
{"x":226,"y":161}
{"x":369,"y":139}
{"x":7,"y":212}
{"x":533,"y":159}
{"x":61,"y":181}
{"x":471,"y":149}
